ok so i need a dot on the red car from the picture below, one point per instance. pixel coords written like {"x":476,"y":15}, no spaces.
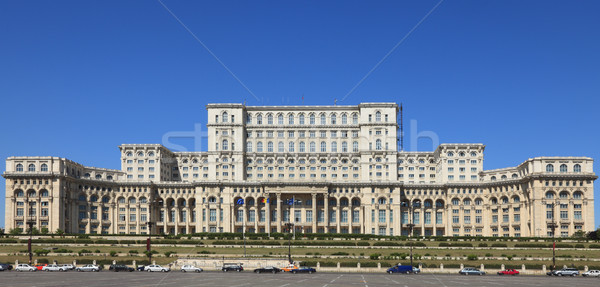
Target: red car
{"x":508,"y":272}
{"x":40,"y":266}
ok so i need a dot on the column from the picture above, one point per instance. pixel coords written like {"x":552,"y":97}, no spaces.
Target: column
{"x":314,"y":212}
{"x":256,"y":217}
{"x":165,"y":216}
{"x":434,"y":218}
{"x":268,"y":215}
{"x":422,"y":218}
{"x":338,"y":216}
{"x":138,"y":218}
{"x":326,"y":211}
{"x":278,"y":213}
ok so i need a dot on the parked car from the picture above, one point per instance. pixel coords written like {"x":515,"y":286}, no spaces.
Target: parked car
{"x":304,"y":269}
{"x":268,"y":269}
{"x":120,"y":267}
{"x":54,"y":267}
{"x":25,"y":267}
{"x":68,"y":266}
{"x":2,"y":268}
{"x":508,"y":272}
{"x":88,"y":268}
{"x":416,"y":270}
{"x":289,"y":268}
{"x":191,"y":268}
{"x":471,"y":271}
{"x":232,"y":267}
{"x":567,"y":272}
{"x":591,"y":273}
{"x":141,"y":268}
{"x":6,"y":266}
{"x":551,"y":273}
{"x":40,"y":266}
{"x":156,"y":268}
{"x":405,"y":269}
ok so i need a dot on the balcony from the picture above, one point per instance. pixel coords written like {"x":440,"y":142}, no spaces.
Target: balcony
{"x":105,"y":222}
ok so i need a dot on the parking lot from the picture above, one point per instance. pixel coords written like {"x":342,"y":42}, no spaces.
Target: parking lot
{"x":246,"y":278}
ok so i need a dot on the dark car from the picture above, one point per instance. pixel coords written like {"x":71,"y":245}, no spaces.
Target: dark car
{"x":304,"y":269}
{"x":232,"y":267}
{"x":5,"y":266}
{"x":269,"y":269}
{"x":120,"y":267}
{"x":406,"y":269}
{"x":141,"y":268}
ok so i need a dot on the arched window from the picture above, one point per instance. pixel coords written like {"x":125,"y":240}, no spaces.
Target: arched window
{"x":212,"y":199}
{"x":19,"y":193}
{"x":563,"y":168}
{"x":31,"y":167}
{"x":493,"y":178}
{"x":98,"y":176}
{"x":355,"y":118}
{"x":466,"y":201}
{"x":44,"y":193}
{"x":473,"y":154}
{"x":140,"y":154}
{"x":82,"y":197}
{"x":312,"y":147}
{"x":291,"y":147}
{"x":121,"y":200}
{"x":259,"y":147}
{"x":19,"y":167}
{"x":504,"y":200}
{"x":323,"y":119}
{"x":549,"y":195}
{"x":478,"y":201}
{"x":44,"y":167}
{"x":216,"y":118}
{"x":270,"y":147}
{"x":378,"y":144}
{"x":354,"y":146}
{"x":577,"y":195}
{"x":427,"y":203}
{"x":233,"y":118}
{"x":132,"y":200}
{"x":93,"y":198}
{"x":344,"y":147}
{"x":301,"y":119}
{"x":439,"y":204}
{"x":549,"y":168}
{"x":129,"y":154}
{"x":151,"y":154}
{"x":323,"y":147}
{"x":450,"y":154}
{"x":302,"y":147}
{"x":259,"y":119}
{"x":355,"y":202}
{"x":143,"y":200}
{"x":382,"y":200}
{"x":248,"y":119}
{"x":516,"y":199}
{"x":344,"y":202}
{"x":290,"y":119}
{"x":333,"y":119}
{"x":503,"y":177}
{"x":378,"y":116}
{"x":514,"y":175}
{"x":564,"y":195}
{"x":249,"y":146}
{"x":312,"y":119}
{"x":270,"y":119}
{"x":577,"y":168}
{"x":334,"y":147}
{"x":344,"y":119}
{"x":455,"y":201}
{"x":225,"y":117}
{"x":493,"y":200}
{"x":105,"y":199}
{"x":225,"y":145}
{"x":280,"y":119}
{"x":280,"y":147}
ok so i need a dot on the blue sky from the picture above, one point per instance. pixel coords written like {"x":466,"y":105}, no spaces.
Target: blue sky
{"x":78,"y":78}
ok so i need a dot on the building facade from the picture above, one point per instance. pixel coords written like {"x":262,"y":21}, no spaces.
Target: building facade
{"x":326,"y":169}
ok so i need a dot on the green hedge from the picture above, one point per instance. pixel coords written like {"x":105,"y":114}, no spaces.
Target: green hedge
{"x":387,"y":243}
{"x":455,"y":244}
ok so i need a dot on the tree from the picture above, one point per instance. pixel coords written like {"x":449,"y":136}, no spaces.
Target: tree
{"x":35,"y":231}
{"x":44,"y":230}
{"x":59,"y":232}
{"x":594,"y":235}
{"x":15,"y":231}
{"x":579,"y":234}
{"x":1,"y":231}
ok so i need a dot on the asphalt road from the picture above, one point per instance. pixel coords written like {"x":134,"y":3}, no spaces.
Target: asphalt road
{"x":246,"y":278}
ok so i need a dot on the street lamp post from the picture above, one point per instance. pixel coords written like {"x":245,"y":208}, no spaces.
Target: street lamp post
{"x":148,"y":242}
{"x":553,"y":226}
{"x":410,"y":231}
{"x":30,"y":224}
{"x":289,"y":227}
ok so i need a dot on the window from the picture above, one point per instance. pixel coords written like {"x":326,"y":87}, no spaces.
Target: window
{"x":378,"y":144}
{"x":378,"y":116}
{"x":259,"y":147}
{"x":323,"y":147}
{"x":301,"y":119}
{"x":44,"y":167}
{"x":31,"y":167}
{"x":563,"y":168}
{"x":549,"y":168}
{"x":19,"y":167}
{"x":280,"y":147}
{"x":312,"y":119}
{"x":259,"y":119}
{"x":323,"y":119}
{"x":225,"y":118}
{"x":270,"y":147}
{"x":577,"y":168}
{"x":270,"y":119}
{"x":249,"y":146}
{"x":354,"y":146}
{"x":291,"y":119}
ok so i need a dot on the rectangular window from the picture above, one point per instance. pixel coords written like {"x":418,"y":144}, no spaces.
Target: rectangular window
{"x":564,"y":214}
{"x":438,"y":218}
{"x":382,"y":216}
{"x":577,"y":215}
{"x":213,"y":215}
{"x":321,"y":216}
{"x":332,"y":216}
{"x":355,"y":216}
{"x":344,"y":216}
{"x":297,"y":215}
{"x":251,"y":215}
{"x":309,"y":216}
{"x":427,"y":217}
{"x":416,"y":218}
{"x":467,"y":219}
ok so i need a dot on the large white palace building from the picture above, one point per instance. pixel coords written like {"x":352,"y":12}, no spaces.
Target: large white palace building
{"x":326,"y":169}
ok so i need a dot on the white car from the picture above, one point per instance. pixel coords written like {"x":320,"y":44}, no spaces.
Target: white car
{"x":53,"y":267}
{"x":68,"y":266}
{"x":25,"y":267}
{"x":88,"y":268}
{"x":190,"y":268}
{"x":591,"y":273}
{"x":157,"y":268}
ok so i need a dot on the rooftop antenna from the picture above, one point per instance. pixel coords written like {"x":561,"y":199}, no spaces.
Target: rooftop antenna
{"x":335,"y":102}
{"x":401,"y":128}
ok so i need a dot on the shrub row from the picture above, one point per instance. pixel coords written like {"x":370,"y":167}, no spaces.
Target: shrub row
{"x":455,"y":244}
